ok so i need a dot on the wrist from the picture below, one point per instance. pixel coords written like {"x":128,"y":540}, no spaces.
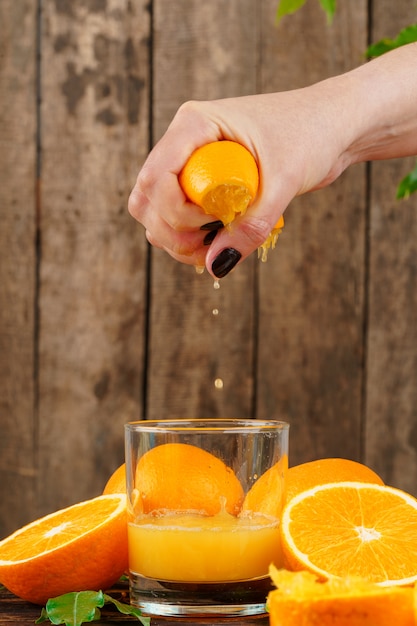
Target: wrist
{"x":381,"y":98}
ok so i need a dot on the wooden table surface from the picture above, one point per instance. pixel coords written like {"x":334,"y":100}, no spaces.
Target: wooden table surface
{"x":17,"y":612}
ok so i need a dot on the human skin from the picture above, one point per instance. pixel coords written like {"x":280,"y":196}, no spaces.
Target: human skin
{"x":302,"y":141}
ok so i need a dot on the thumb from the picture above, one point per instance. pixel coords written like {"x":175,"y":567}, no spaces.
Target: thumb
{"x":242,"y":237}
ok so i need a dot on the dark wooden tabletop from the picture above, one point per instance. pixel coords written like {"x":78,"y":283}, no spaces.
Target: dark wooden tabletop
{"x":17,"y":612}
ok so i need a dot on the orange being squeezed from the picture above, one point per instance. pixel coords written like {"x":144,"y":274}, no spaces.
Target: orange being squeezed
{"x":222,"y":178}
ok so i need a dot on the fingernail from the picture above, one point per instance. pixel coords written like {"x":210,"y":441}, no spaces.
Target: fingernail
{"x":212,"y":225}
{"x":210,"y":237}
{"x":225,"y":261}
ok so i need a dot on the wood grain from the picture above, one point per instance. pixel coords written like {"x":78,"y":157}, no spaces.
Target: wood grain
{"x":202,"y":51}
{"x":390,"y":434}
{"x":97,"y":329}
{"x":93,"y":260}
{"x":18,"y":263}
{"x":312,"y":289}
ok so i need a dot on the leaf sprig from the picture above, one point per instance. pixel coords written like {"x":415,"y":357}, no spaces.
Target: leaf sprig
{"x":79,"y":607}
{"x":287,"y":7}
{"x":407,"y":185}
{"x":405,"y":36}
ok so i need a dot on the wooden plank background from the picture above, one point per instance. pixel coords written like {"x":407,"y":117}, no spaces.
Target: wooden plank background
{"x":96,"y":329}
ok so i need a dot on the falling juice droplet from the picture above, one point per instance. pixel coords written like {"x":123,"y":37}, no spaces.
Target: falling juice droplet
{"x":199,"y":269}
{"x":216,"y":284}
{"x":218,"y":383}
{"x":215,"y":312}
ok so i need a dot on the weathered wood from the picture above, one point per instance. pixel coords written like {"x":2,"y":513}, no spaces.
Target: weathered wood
{"x":18,"y":418}
{"x":94,"y":123}
{"x":323,"y":334}
{"x":391,"y":435}
{"x":16,"y":612}
{"x":311,"y":304}
{"x":202,"y":51}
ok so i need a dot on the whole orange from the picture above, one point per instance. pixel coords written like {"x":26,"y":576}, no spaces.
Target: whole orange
{"x":117,"y":481}
{"x":184,"y":477}
{"x":321,"y":471}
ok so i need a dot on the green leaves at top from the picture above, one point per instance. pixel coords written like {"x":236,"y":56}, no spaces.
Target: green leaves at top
{"x":408,"y":185}
{"x":287,"y":7}
{"x":79,"y":607}
{"x":405,"y":36}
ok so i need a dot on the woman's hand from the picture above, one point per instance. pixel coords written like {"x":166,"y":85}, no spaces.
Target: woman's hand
{"x":302,"y":140}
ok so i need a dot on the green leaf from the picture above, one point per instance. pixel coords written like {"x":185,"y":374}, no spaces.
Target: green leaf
{"x":127,"y":609}
{"x":329,"y":7}
{"x":286,"y":7}
{"x":405,"y":36}
{"x":76,"y":608}
{"x":408,"y":185}
{"x":42,"y":617}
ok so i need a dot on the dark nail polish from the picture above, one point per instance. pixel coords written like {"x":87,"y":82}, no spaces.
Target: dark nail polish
{"x":212,"y":225}
{"x":209,"y":237}
{"x":225,"y":261}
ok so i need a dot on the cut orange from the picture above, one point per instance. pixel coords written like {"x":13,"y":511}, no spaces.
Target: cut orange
{"x":183,"y":477}
{"x":117,"y":481}
{"x":301,"y":599}
{"x":267,"y":494}
{"x":82,"y":547}
{"x":321,"y":471}
{"x":352,"y":529}
{"x":222,"y":178}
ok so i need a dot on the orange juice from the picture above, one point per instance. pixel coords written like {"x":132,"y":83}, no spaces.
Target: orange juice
{"x":193,"y":548}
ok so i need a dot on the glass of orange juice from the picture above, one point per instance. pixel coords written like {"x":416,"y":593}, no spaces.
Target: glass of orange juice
{"x":204,"y":505}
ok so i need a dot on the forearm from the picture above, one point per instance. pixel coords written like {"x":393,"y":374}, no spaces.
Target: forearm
{"x":383,"y":101}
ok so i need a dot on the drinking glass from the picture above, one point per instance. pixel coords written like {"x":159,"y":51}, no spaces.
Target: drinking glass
{"x":204,"y":504}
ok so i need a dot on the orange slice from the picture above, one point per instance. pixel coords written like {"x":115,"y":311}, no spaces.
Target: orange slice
{"x":301,"y":599}
{"x":352,"y":529}
{"x":82,"y":547}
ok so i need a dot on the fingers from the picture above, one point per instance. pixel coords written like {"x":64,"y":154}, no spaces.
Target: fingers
{"x":157,"y":200}
{"x":179,"y":227}
{"x":196,"y":258}
{"x":235,"y":243}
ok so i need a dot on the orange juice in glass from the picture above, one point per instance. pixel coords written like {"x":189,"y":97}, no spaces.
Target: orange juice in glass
{"x":204,"y":504}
